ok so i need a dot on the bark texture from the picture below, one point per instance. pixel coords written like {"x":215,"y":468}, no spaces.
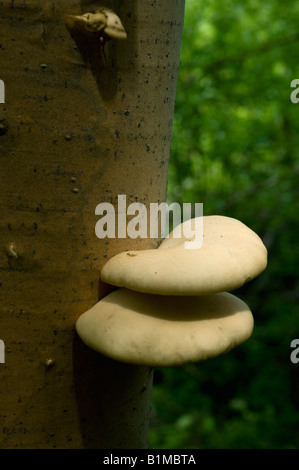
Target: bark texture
{"x":76,"y":129}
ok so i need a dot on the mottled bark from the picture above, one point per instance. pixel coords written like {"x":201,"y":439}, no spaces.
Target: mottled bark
{"x":77,"y":128}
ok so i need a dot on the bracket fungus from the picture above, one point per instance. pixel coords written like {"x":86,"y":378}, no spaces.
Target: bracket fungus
{"x":103,"y":23}
{"x":230,"y":255}
{"x":172,"y":307}
{"x":165,"y":331}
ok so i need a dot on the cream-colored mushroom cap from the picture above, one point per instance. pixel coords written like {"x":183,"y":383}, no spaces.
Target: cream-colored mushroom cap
{"x":103,"y":20}
{"x":230,"y":255}
{"x":114,"y":27}
{"x":165,"y":331}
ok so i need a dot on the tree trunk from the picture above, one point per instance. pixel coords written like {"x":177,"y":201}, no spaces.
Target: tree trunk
{"x":83,"y":122}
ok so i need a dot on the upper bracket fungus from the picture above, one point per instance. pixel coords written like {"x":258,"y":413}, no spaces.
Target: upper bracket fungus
{"x":230,"y":255}
{"x":181,"y":313}
{"x":103,"y":23}
{"x":92,"y":29}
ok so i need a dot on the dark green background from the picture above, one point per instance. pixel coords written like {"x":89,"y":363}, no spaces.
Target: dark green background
{"x":235,"y":148}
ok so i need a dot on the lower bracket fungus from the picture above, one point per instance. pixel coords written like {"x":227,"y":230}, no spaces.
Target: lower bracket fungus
{"x":162,"y":331}
{"x":172,"y":307}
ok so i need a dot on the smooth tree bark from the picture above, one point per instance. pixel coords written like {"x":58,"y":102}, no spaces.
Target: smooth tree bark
{"x":81,"y":124}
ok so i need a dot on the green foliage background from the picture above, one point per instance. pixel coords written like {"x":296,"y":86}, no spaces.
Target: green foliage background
{"x":235,"y":148}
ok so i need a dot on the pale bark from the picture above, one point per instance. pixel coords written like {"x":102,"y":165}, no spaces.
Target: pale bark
{"x":75,"y":132}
